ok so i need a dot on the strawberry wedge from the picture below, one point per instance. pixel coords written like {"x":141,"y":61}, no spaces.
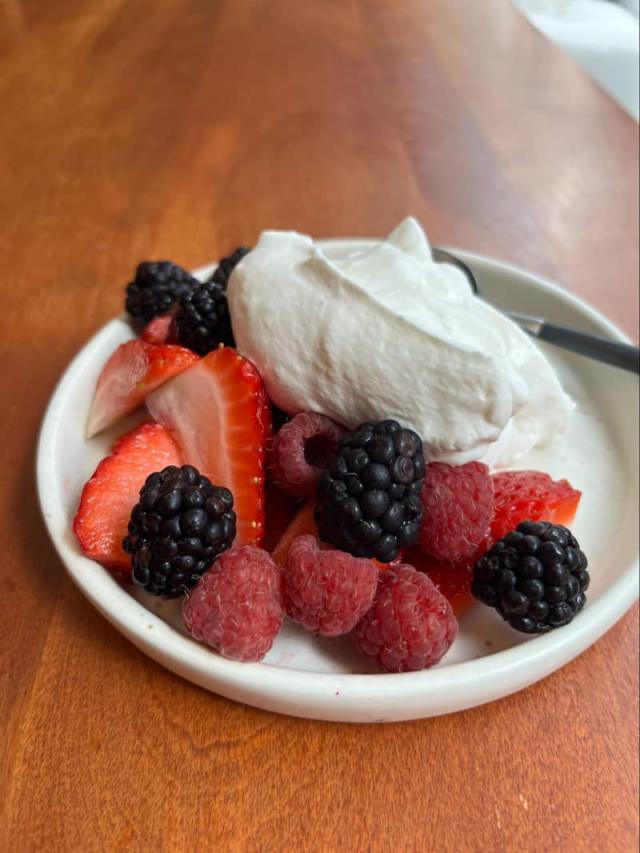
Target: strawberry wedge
{"x":302,"y":524}
{"x":531,"y":495}
{"x":158,"y":330}
{"x":102,"y":519}
{"x":134,"y":370}
{"x":218,"y":413}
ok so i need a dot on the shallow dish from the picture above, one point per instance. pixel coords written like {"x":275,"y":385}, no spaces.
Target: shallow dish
{"x":326,"y":679}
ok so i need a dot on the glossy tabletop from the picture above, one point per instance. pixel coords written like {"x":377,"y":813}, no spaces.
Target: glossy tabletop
{"x":180,"y":129}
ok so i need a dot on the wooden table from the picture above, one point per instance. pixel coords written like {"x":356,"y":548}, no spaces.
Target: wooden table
{"x":180,"y":128}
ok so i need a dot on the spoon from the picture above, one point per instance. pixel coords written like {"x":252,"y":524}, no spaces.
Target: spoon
{"x":616,"y":353}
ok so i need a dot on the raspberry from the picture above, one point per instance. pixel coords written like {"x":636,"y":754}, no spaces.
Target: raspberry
{"x":410,"y":625}
{"x":236,"y":607}
{"x":302,"y":448}
{"x":326,"y":591}
{"x":458,"y":502}
{"x":452,"y":579}
{"x":531,"y":495}
{"x":158,"y":330}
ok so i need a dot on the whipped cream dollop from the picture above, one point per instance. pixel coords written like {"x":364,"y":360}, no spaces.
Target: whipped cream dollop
{"x":385,"y":332}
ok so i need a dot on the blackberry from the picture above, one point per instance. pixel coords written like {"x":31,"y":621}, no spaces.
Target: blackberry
{"x":156,"y":287}
{"x":202,"y":320}
{"x":177,"y":529}
{"x":535,"y":577}
{"x":227,"y":265}
{"x":369,"y":500}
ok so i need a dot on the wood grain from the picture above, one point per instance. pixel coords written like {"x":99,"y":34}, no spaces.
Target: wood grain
{"x":180,"y":128}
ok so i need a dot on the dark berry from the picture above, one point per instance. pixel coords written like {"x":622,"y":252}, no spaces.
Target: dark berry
{"x":369,"y":498}
{"x":278,"y":417}
{"x":202,"y":321}
{"x":156,"y":288}
{"x":535,"y":577}
{"x":227,"y":265}
{"x":381,"y":449}
{"x":376,"y":476}
{"x":374,"y":503}
{"x":393,"y":518}
{"x":177,"y":529}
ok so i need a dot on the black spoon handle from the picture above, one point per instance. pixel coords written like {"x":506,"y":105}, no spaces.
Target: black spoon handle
{"x":440,"y":256}
{"x":615,"y":353}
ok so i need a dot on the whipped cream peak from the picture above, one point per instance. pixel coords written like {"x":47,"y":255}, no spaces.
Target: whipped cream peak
{"x":385,"y":332}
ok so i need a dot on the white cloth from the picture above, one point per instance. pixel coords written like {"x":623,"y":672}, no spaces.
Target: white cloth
{"x":601,"y":36}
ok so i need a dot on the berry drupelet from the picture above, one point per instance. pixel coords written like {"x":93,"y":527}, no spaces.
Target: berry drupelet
{"x":535,"y":577}
{"x":177,"y":529}
{"x":156,"y":288}
{"x":227,"y":265}
{"x":369,"y":500}
{"x":202,"y":320}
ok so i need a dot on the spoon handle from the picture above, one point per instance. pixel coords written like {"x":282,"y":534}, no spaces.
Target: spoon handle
{"x":616,"y":353}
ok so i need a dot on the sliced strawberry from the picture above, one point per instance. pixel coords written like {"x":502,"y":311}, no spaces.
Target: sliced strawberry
{"x":452,"y":579}
{"x":134,"y":370}
{"x":531,"y":495}
{"x":158,"y":330}
{"x":219,"y":414}
{"x":302,"y":523}
{"x":518,"y":495}
{"x":280,"y":511}
{"x":108,"y":497}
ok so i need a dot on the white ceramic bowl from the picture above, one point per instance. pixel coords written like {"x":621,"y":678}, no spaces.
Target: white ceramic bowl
{"x":327,"y":679}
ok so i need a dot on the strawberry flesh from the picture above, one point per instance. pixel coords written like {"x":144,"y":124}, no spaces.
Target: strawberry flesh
{"x":219,"y":414}
{"x":281,"y":509}
{"x":531,"y":495}
{"x":303,"y":523}
{"x":134,"y":370}
{"x":107,"y":499}
{"x":158,"y":330}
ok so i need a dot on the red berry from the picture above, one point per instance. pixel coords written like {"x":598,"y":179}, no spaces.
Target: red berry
{"x":302,"y":448}
{"x":236,"y":607}
{"x":158,"y":330}
{"x":531,"y":496}
{"x":410,"y":625}
{"x":458,"y":503}
{"x":280,"y":510}
{"x":326,"y":591}
{"x":302,"y":523}
{"x":219,"y":414}
{"x":452,"y":579}
{"x":102,"y":518}
{"x":134,"y":370}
